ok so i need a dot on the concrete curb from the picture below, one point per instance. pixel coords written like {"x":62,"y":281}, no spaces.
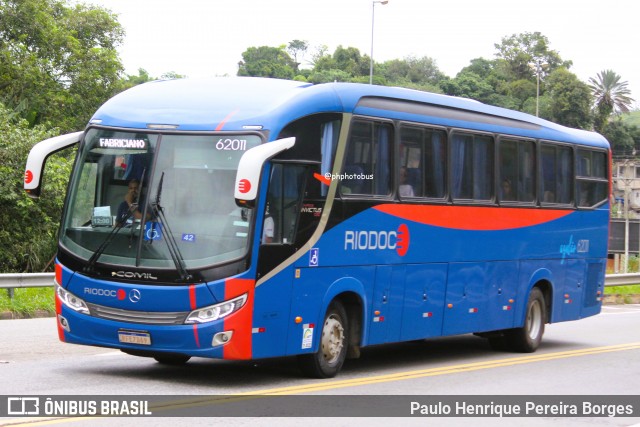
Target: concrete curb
{"x":9,"y":315}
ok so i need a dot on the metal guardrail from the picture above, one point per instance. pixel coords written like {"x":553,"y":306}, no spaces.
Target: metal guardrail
{"x":622,"y":279}
{"x":40,"y":280}
{"x":12,"y":281}
{"x":26,"y":280}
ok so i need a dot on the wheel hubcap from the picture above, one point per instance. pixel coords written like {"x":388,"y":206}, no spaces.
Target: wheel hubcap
{"x":332,"y":339}
{"x":534,"y":320}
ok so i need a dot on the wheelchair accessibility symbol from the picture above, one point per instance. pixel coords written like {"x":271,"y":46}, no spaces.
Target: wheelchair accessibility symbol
{"x":314,"y":257}
{"x":152,"y":231}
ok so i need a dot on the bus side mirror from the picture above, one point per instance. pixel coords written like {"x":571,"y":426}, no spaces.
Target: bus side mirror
{"x":250,"y":167}
{"x":38,"y":157}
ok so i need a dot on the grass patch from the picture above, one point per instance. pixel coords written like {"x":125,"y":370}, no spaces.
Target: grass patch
{"x":622,"y":290}
{"x":27,"y":301}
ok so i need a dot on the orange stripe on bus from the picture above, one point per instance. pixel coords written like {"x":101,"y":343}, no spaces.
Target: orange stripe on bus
{"x":473,"y":217}
{"x":241,"y":321}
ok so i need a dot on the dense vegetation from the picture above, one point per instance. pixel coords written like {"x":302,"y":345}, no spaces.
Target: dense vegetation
{"x":59,"y":63}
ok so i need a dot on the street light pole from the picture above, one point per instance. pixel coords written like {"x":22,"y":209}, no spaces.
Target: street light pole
{"x":537,"y":87}
{"x":373,"y":13}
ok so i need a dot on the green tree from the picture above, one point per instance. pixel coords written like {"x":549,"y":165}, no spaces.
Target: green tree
{"x":570,"y":99}
{"x":28,"y":229}
{"x":624,"y":138}
{"x":133,"y":80}
{"x":468,"y":85}
{"x":351,"y":61}
{"x":297,"y":49}
{"x":418,"y":73}
{"x":58,"y":63}
{"x":266,"y":61}
{"x":485,"y":81}
{"x":521,"y":52}
{"x":611,"y":96}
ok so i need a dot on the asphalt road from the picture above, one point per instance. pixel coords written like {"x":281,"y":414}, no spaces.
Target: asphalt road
{"x":594,"y":356}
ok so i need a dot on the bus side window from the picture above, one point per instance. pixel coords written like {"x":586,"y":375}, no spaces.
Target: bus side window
{"x":472,"y":163}
{"x":368,"y":164}
{"x":556,"y":174}
{"x":591,"y":178}
{"x":423,"y":155}
{"x":517,"y":171}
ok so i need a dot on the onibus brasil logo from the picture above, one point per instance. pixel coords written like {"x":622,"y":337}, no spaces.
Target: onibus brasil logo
{"x":369,"y":240}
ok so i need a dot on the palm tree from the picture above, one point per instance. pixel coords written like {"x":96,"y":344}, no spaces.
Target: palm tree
{"x":611,"y":96}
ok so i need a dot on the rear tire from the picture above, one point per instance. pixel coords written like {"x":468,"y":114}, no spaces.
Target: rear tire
{"x":527,"y":338}
{"x":332,"y":348}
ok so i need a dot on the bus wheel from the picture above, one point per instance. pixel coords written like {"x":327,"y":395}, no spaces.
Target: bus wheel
{"x":172,"y":359}
{"x":527,"y":338}
{"x":333,"y":346}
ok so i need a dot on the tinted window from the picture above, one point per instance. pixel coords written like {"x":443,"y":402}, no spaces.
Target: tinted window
{"x":517,"y":171}
{"x":472,"y":166}
{"x":422,"y":162}
{"x":592,"y":183}
{"x":368,"y":162}
{"x":557,"y":174}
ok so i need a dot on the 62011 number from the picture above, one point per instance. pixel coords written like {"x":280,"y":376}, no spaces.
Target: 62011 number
{"x":231,"y":144}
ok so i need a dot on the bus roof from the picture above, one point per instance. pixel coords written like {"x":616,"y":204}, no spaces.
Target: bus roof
{"x":241,"y":103}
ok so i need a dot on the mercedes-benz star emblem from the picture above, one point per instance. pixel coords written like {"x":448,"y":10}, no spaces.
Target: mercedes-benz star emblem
{"x":134,"y":295}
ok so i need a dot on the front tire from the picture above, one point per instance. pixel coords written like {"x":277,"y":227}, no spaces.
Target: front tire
{"x":333,"y":346}
{"x":527,"y":338}
{"x":172,"y":359}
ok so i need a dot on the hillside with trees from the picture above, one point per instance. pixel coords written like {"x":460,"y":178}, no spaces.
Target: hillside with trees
{"x":59,"y":62}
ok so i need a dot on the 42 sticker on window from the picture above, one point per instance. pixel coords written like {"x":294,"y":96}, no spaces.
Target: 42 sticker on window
{"x":229,"y":144}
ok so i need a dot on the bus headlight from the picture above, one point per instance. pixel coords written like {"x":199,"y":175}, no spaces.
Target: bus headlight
{"x":71,"y":301}
{"x":217,"y":311}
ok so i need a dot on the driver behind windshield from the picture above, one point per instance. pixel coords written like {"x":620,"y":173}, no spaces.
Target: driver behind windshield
{"x":129,"y":203}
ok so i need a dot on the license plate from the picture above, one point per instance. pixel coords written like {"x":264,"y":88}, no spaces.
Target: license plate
{"x":134,"y":337}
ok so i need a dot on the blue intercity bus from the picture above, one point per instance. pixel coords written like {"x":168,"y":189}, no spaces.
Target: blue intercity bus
{"x":246,"y":218}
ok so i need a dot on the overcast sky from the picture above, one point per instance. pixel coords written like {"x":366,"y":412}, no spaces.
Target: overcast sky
{"x":207,"y":37}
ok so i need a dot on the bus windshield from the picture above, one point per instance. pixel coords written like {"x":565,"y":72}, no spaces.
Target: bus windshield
{"x":157,"y":200}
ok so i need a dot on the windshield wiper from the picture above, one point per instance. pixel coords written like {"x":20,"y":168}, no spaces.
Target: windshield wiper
{"x":89,"y":268}
{"x":172,"y":245}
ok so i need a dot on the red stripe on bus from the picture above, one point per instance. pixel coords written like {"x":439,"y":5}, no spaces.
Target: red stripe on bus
{"x":195,"y":335}
{"x":472,"y":217}
{"x":226,"y":119}
{"x":59,"y":311}
{"x":241,"y":321}
{"x":58,"y":270}
{"x":192,"y":297}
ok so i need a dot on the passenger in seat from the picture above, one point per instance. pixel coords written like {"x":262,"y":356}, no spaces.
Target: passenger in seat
{"x":405,"y":189}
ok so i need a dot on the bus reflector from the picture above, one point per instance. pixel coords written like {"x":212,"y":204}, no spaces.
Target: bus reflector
{"x":506,"y":307}
{"x":473,"y":310}
{"x":298,"y":319}
{"x":429,"y":314}
{"x":258,"y":330}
